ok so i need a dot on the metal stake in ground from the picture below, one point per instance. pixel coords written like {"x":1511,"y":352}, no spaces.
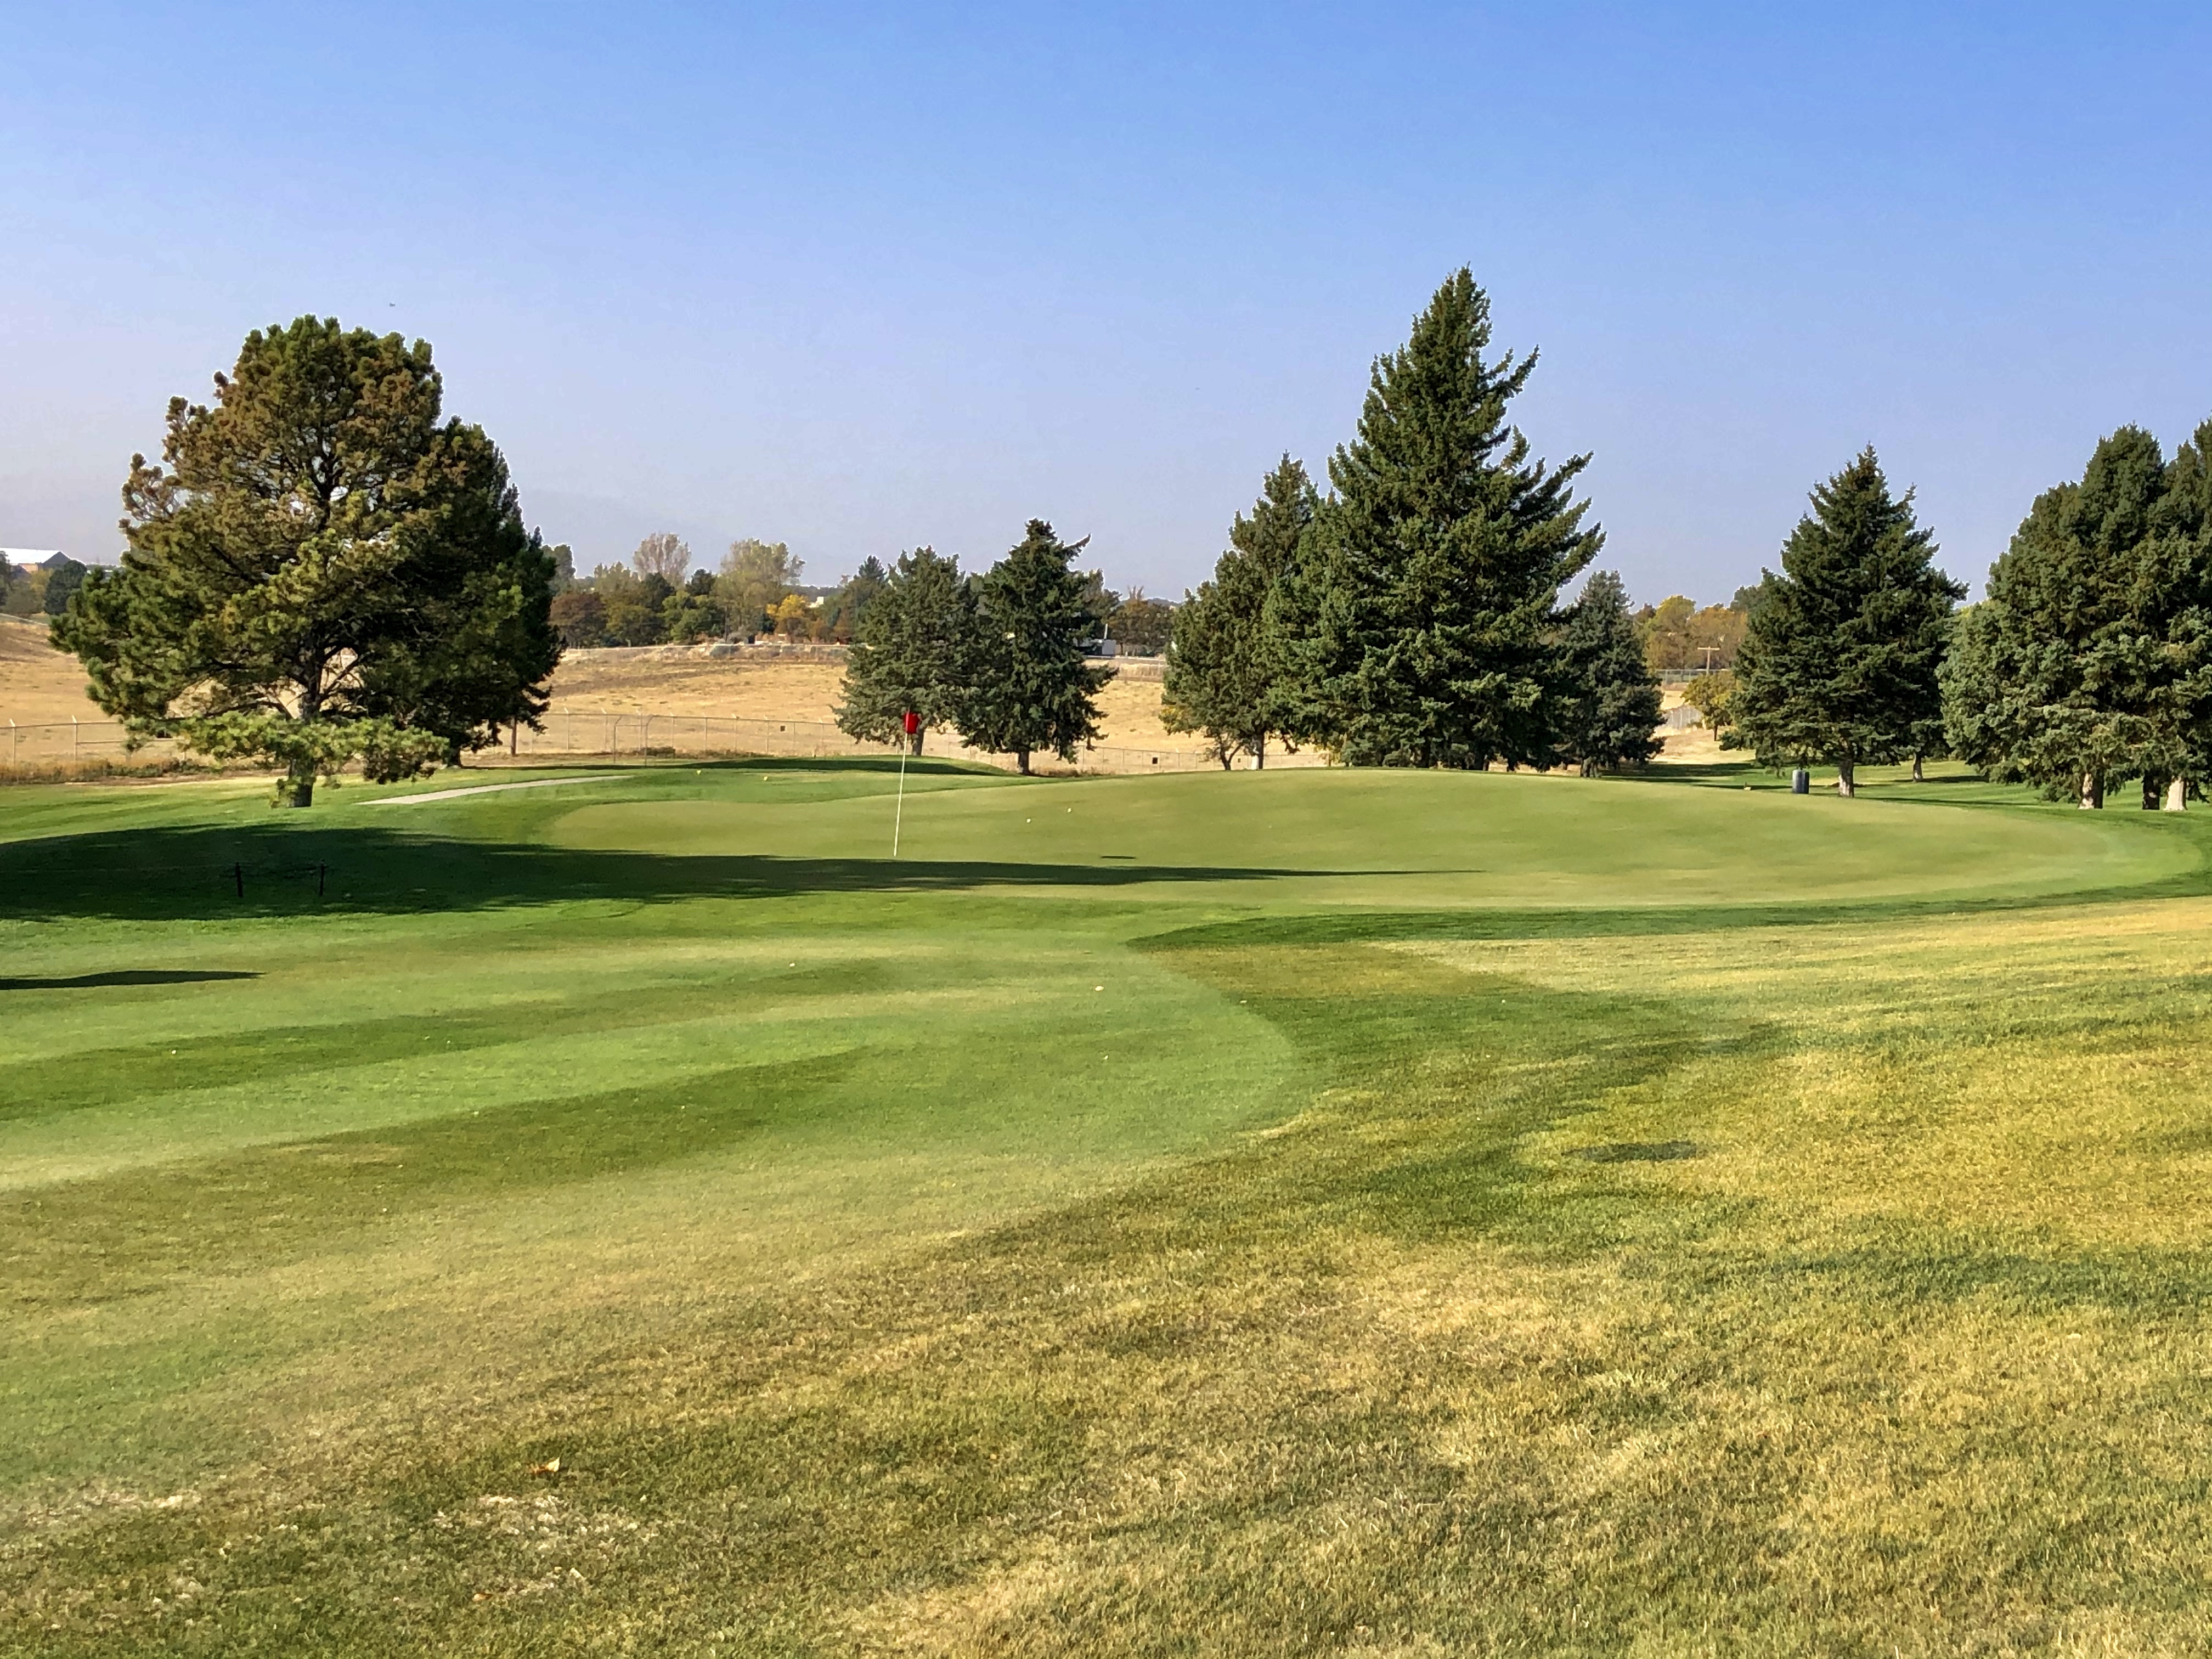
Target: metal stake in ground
{"x":913,"y":724}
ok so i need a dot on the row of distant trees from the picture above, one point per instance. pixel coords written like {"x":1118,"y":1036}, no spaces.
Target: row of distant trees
{"x":1677,"y":633}
{"x":41,"y":589}
{"x":657,"y":598}
{"x":324,"y":568}
{"x":1411,"y":615}
{"x":2088,"y":665}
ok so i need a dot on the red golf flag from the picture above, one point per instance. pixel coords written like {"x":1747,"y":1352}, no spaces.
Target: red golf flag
{"x":913,"y":722}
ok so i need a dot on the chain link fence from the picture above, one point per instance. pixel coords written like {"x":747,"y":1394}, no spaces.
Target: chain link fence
{"x":91,"y":748}
{"x":613,"y":733}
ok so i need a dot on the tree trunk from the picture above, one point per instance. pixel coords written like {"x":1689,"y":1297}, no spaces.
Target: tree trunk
{"x":2153,"y":788}
{"x":1260,"y":754}
{"x":1846,"y":784}
{"x":514,"y":737}
{"x":2176,"y":795}
{"x":1022,"y":762}
{"x":915,"y":742}
{"x":2093,"y":791}
{"x":298,"y":788}
{"x":1918,"y":777}
{"x":1587,"y":768}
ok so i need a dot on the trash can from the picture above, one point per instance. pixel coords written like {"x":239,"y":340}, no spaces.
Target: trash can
{"x":1801,"y":782}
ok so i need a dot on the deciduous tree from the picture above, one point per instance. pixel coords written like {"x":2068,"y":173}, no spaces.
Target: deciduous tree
{"x":665,"y":554}
{"x":693,"y":611}
{"x":580,"y":615}
{"x":636,"y":605}
{"x":1143,"y":626}
{"x":755,"y":577}
{"x":1678,"y":634}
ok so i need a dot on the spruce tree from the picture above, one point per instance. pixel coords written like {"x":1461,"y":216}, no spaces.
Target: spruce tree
{"x":1840,"y":656}
{"x":844,"y":610}
{"x":915,"y":654}
{"x":2090,"y":661}
{"x":1031,"y":689}
{"x":1225,"y":660}
{"x":1607,"y":703}
{"x":1420,"y":622}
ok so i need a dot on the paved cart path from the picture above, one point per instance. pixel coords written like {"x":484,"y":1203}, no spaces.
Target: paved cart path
{"x":488,"y":789}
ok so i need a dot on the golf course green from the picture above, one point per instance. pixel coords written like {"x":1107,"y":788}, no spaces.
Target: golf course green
{"x":1316,"y":1211}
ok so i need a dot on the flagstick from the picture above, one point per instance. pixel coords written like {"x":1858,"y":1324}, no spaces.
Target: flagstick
{"x":898,"y":813}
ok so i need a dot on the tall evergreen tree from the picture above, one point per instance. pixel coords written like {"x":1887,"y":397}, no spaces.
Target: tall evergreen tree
{"x":2090,"y":661}
{"x":1607,"y":703}
{"x":1225,"y":661}
{"x":1419,"y":621}
{"x":63,"y":580}
{"x":1840,"y":657}
{"x":915,"y":651}
{"x":843,"y":612}
{"x":1031,"y":689}
{"x":323,"y":570}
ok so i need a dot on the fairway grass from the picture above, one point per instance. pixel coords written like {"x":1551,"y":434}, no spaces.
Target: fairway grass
{"x":1324,"y":1213}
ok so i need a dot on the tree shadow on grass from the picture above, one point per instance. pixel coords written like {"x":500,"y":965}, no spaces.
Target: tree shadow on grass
{"x":126,"y":976}
{"x":199,"y":872}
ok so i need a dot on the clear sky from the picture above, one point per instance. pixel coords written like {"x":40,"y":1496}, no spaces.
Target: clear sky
{"x":858,"y":278}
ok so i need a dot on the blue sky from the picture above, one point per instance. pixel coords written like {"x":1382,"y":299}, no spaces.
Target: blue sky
{"x":859,"y":279}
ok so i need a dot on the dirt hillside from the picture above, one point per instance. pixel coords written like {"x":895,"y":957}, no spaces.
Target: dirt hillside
{"x":37,"y":683}
{"x":779,"y":688}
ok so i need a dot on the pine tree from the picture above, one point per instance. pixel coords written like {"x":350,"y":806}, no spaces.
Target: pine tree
{"x":323,"y":570}
{"x":1225,"y":660}
{"x":1607,"y":703}
{"x":2090,"y":661}
{"x":1031,"y":689}
{"x":1840,"y":658}
{"x":915,"y":651}
{"x":1419,"y":621}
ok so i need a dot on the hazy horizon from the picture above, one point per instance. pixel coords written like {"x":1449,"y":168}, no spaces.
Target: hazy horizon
{"x":857,"y":279}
